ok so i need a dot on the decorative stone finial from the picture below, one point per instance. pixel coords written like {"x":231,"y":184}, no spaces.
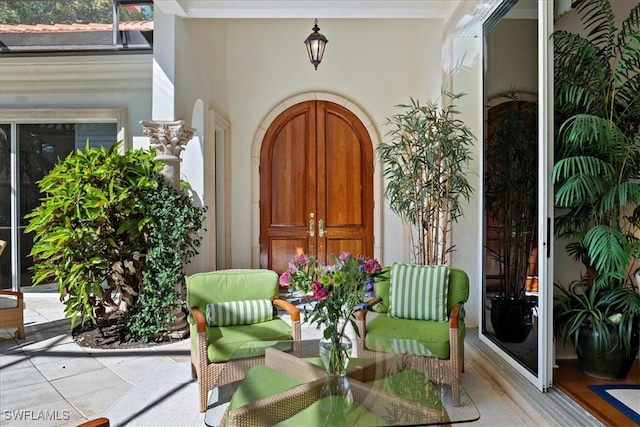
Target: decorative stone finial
{"x":168,"y":138}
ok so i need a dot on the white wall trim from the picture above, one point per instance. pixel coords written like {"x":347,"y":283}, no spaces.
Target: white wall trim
{"x":255,"y":164}
{"x":75,"y":115}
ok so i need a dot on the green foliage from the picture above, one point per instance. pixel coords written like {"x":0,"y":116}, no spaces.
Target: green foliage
{"x":425,"y":165}
{"x":105,"y":229}
{"x":600,"y":309}
{"x":511,"y":190}
{"x":14,"y":12}
{"x":597,"y":174}
{"x":89,"y":227}
{"x":171,"y":243}
{"x":598,"y":141}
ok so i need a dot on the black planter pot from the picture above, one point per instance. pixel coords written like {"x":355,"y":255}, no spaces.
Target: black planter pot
{"x":512,"y":320}
{"x":605,"y":364}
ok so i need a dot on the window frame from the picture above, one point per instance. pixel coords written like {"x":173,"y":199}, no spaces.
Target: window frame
{"x":19,"y":116}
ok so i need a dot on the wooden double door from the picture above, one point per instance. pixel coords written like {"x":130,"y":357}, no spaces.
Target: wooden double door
{"x":316,"y":185}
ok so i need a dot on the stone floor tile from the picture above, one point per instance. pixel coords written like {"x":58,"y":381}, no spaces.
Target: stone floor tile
{"x":111,"y":357}
{"x":133,"y":370}
{"x":45,"y":339}
{"x":94,"y":404}
{"x":52,"y":413}
{"x":89,"y":382}
{"x":58,"y":349}
{"x":10,"y":346}
{"x":13,"y":360}
{"x":63,"y":365}
{"x":20,"y":375}
{"x":32,"y":396}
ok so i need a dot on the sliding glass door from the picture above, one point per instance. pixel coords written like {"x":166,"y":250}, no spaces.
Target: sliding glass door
{"x":516,"y":281}
{"x":28,"y":151}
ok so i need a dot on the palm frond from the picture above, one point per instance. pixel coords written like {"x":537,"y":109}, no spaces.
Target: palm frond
{"x":606,"y":249}
{"x":579,"y":74}
{"x":587,"y":133}
{"x":598,"y":19}
{"x":627,"y":69}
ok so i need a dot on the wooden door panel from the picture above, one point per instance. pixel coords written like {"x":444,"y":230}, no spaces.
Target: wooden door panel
{"x":284,"y":249}
{"x":316,"y":163}
{"x":344,"y":180}
{"x":345,"y":189}
{"x":287,"y":186}
{"x":337,"y":246}
{"x":288,"y":180}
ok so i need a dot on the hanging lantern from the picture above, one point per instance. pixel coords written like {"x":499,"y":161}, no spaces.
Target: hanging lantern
{"x":315,"y":45}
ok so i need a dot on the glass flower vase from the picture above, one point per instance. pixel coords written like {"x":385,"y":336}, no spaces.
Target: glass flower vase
{"x":335,"y":353}
{"x":336,"y":399}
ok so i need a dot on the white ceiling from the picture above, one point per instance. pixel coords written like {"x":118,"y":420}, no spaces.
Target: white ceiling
{"x":308,"y":8}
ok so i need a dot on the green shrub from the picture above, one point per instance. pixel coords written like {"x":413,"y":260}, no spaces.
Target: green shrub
{"x":170,"y":244}
{"x":110,"y":225}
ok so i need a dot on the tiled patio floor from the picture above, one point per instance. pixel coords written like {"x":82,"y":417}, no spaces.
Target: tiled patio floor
{"x":49,"y":375}
{"x":48,"y":379}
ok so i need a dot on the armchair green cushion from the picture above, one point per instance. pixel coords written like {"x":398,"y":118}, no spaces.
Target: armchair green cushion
{"x":419,"y":292}
{"x":212,"y":344}
{"x":223,"y":286}
{"x":230,"y":285}
{"x":433,"y":335}
{"x":223,"y":341}
{"x":246,"y":312}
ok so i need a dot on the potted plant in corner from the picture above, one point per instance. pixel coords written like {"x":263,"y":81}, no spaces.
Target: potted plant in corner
{"x":597,"y":178}
{"x":425,"y":166}
{"x":511,"y":203}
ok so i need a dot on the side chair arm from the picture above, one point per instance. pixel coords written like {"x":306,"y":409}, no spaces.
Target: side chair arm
{"x":16,"y":294}
{"x":454,"y":316}
{"x":289,"y":308}
{"x":361,"y":314}
{"x":201,"y":324}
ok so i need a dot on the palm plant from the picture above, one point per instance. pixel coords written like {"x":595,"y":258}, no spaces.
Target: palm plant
{"x":597,"y":175}
{"x":426,"y":164}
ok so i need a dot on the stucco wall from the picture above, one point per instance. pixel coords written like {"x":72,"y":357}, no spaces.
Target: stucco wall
{"x":91,"y":81}
{"x":374,"y":63}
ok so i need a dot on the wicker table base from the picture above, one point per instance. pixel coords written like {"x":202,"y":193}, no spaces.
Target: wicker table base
{"x":391,"y":388}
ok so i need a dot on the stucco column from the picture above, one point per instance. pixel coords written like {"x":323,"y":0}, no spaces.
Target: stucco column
{"x":169,"y":139}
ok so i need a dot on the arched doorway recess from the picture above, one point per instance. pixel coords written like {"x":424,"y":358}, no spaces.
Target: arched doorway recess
{"x":366,"y":127}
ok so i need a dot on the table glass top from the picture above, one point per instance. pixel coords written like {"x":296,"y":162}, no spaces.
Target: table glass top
{"x":284,"y":383}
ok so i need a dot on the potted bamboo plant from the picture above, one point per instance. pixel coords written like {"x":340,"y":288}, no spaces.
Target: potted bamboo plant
{"x":425,"y":165}
{"x":511,"y":201}
{"x":597,"y":178}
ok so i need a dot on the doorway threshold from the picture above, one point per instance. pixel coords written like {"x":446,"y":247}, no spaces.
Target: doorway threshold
{"x":553,"y":406}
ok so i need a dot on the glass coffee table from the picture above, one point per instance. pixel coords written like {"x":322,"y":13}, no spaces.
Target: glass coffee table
{"x":283,"y":383}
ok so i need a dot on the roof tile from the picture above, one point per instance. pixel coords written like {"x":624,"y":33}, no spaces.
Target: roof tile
{"x":69,"y":28}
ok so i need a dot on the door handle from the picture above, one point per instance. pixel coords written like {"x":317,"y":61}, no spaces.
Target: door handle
{"x":312,"y":225}
{"x":321,"y":231}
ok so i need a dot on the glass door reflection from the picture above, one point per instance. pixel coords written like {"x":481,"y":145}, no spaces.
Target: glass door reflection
{"x":510,"y":184}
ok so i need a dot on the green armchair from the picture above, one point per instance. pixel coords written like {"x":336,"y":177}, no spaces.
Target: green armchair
{"x":213,"y":345}
{"x":442,"y":339}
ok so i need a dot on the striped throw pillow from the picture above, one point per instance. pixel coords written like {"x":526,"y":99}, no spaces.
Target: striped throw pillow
{"x":231,"y":313}
{"x":419,"y":292}
{"x":405,"y":346}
